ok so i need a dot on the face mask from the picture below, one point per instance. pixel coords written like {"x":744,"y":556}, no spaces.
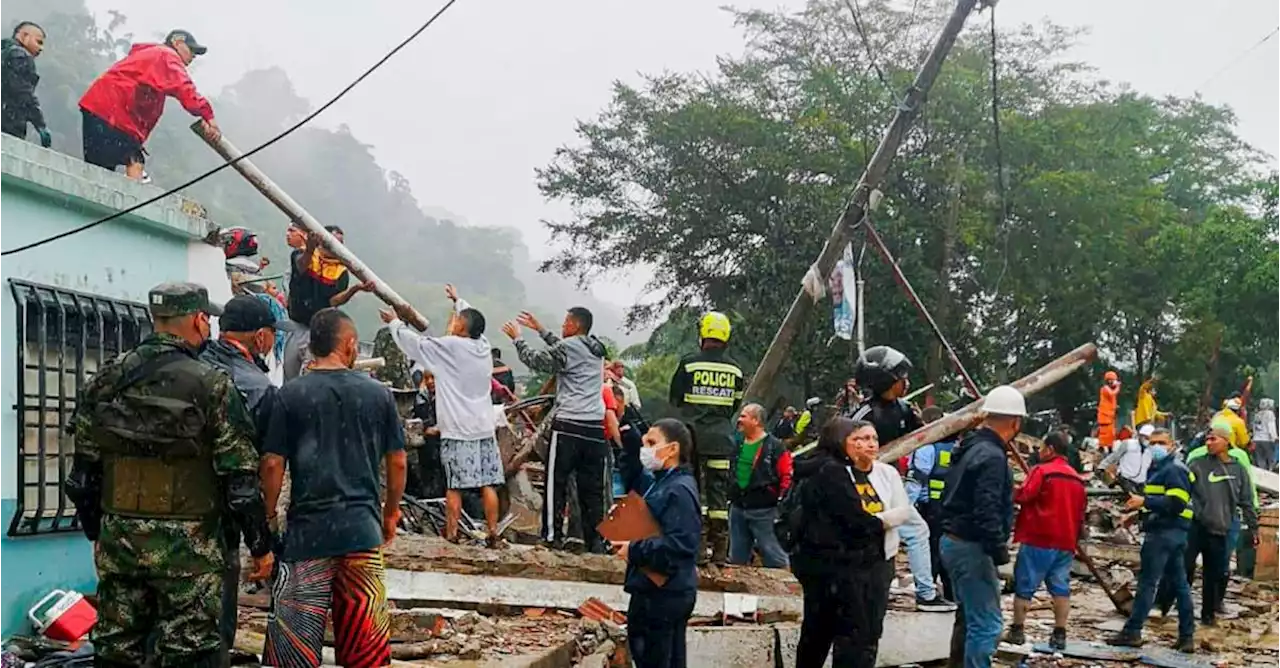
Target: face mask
{"x":1158,"y":453}
{"x":649,"y":459}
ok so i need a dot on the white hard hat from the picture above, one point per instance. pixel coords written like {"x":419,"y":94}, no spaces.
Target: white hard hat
{"x":1146,"y":430}
{"x":813,"y":401}
{"x":1005,"y":400}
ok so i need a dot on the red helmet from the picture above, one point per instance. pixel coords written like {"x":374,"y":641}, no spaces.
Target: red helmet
{"x":1110,"y":375}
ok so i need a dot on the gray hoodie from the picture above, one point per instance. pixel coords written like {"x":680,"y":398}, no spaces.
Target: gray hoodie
{"x":1217,"y":489}
{"x":1264,"y":422}
{"x":463,"y":369}
{"x":578,"y":363}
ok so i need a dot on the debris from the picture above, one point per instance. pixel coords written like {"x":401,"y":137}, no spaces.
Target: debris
{"x":594,"y":609}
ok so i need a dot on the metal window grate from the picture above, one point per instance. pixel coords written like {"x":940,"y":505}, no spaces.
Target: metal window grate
{"x":63,"y":337}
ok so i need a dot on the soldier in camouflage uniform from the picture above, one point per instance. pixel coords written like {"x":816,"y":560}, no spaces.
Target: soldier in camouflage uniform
{"x":164,"y":457}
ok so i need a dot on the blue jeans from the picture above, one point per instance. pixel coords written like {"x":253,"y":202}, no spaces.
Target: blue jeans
{"x":917,"y":543}
{"x":977,"y":588}
{"x":1233,"y":541}
{"x":1163,"y":556}
{"x":753,"y":528}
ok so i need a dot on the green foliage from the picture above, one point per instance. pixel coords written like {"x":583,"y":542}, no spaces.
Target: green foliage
{"x":653,"y":380}
{"x":1126,"y":220}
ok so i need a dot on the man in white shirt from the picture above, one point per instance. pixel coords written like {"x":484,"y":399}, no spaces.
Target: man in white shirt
{"x":1131,"y":458}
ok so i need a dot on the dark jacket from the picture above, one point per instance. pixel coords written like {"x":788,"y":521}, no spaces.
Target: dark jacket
{"x":892,"y":419}
{"x":20,"y":105}
{"x":1218,"y":488}
{"x":771,"y":473}
{"x":1166,"y":496}
{"x":672,"y":497}
{"x":706,"y":389}
{"x":250,"y":379}
{"x":838,"y":533}
{"x":977,"y":502}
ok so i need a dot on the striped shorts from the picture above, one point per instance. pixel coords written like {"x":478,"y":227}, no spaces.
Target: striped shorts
{"x":302,"y":597}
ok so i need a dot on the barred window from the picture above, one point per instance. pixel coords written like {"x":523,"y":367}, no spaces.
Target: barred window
{"x":63,"y":337}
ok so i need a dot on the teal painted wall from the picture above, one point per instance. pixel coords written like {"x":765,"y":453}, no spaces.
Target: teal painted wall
{"x":121,"y":259}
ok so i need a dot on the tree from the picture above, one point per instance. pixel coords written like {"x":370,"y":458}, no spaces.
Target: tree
{"x":1067,"y":231}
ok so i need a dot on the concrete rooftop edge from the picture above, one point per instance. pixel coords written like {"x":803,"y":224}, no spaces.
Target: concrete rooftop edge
{"x":27,"y":165}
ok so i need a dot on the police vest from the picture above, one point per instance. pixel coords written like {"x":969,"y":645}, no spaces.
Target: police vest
{"x":152,"y":431}
{"x":714,"y":384}
{"x":941,"y":466}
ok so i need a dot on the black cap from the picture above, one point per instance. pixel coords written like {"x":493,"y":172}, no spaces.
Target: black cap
{"x":246,"y":313}
{"x":186,"y":37}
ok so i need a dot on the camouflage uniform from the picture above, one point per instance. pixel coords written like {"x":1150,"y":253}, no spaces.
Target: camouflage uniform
{"x":147,"y":502}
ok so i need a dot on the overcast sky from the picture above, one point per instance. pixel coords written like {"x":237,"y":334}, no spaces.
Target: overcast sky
{"x":482,"y":98}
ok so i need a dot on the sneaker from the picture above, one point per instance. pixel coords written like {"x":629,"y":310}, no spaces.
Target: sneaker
{"x":1186,"y":645}
{"x":1058,"y":640}
{"x":146,"y":178}
{"x":1015,"y":635}
{"x":1125,"y":639}
{"x":935,"y":604}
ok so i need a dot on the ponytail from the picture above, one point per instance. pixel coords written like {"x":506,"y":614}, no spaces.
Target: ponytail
{"x":683,"y":435}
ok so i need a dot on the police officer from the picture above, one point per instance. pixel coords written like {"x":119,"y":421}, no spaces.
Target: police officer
{"x":164,"y":457}
{"x":247,"y":333}
{"x":883,"y":372}
{"x":707,"y":388}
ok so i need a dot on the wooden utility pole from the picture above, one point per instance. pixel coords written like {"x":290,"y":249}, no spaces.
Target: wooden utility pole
{"x":856,"y":209}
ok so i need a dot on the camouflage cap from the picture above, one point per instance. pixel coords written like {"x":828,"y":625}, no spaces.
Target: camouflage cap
{"x":170,"y":300}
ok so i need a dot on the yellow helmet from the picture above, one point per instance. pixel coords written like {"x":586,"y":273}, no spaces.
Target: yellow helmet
{"x":714,"y":325}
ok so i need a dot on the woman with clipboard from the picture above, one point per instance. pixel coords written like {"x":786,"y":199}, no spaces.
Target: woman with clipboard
{"x":662,"y":524}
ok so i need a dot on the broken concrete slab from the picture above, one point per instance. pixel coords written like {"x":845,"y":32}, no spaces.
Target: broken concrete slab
{"x":909,"y":637}
{"x":1129,"y":555}
{"x":423,"y":553}
{"x":451,"y":589}
{"x":1089,"y":650}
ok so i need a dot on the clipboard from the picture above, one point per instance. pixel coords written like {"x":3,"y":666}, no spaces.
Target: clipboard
{"x":629,"y":519}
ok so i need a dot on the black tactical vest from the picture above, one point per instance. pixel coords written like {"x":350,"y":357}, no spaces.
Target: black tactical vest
{"x":152,"y":426}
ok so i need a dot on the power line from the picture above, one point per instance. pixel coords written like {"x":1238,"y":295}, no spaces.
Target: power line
{"x":342,"y":93}
{"x":1235,"y":61}
{"x":866,"y":43}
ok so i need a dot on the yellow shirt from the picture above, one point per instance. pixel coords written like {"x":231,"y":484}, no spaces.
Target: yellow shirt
{"x":1146,"y":410}
{"x":1239,"y":432}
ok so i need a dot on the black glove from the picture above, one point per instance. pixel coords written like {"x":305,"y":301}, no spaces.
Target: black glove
{"x":84,"y":489}
{"x":999,"y":554}
{"x":246,"y":509}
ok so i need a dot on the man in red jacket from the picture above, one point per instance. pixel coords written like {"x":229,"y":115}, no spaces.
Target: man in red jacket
{"x":1050,"y":518}
{"x":123,"y":105}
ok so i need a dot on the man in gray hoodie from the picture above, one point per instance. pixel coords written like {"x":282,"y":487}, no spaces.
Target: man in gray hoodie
{"x":462,"y":366}
{"x":1219,"y":485}
{"x":578,"y":445}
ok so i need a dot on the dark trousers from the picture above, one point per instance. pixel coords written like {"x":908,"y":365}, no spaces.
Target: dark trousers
{"x":656,"y":628}
{"x":1201,"y":543}
{"x":229,"y":620}
{"x":932,"y":514}
{"x":844,"y":616}
{"x":577,"y":450}
{"x":1163,"y":552}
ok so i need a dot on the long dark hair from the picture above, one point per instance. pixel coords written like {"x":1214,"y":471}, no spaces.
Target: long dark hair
{"x":682,"y":434}
{"x":835,"y":432}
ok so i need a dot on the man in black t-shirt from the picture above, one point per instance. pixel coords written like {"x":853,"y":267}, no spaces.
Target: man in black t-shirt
{"x":317,"y":280}
{"x":334,"y":427}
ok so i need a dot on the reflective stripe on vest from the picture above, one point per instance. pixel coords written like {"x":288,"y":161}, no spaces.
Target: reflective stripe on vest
{"x":718,"y":464}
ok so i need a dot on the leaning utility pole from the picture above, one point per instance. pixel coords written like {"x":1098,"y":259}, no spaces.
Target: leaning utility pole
{"x":854,"y":211}
{"x":299,"y":215}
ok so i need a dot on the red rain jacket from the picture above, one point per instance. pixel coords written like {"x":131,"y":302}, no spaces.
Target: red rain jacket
{"x":1052,"y":501}
{"x":130,"y":95}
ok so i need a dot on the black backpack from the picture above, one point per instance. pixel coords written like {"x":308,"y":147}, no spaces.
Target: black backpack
{"x":789,"y":525}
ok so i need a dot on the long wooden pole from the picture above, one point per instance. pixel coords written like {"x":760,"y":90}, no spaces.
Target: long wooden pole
{"x":854,"y":211}
{"x":299,"y":215}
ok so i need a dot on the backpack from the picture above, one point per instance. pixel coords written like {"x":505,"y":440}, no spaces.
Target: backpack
{"x":789,"y":524}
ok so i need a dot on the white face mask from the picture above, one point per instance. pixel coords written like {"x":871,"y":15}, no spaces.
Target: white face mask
{"x":649,"y":459}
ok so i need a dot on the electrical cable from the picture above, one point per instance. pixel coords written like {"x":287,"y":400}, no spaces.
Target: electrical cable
{"x":1234,"y":61}
{"x":288,"y":131}
{"x":866,"y":43}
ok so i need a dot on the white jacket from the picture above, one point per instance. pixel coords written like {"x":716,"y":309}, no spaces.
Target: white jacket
{"x":898,"y":507}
